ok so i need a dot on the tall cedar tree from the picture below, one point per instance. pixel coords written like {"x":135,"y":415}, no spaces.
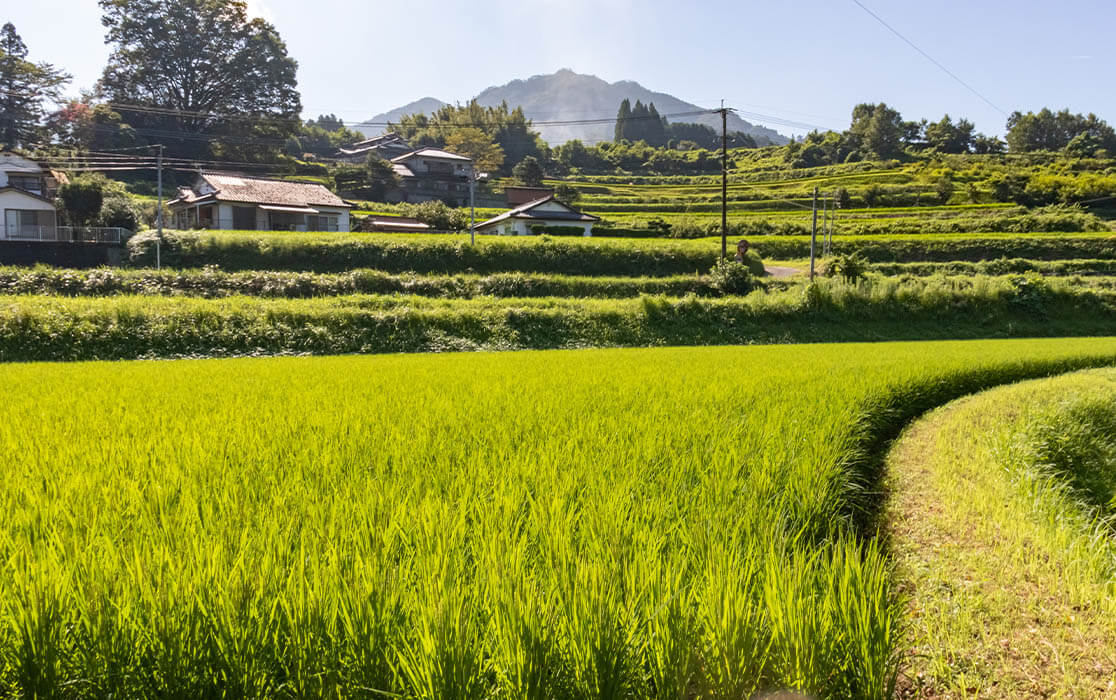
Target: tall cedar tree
{"x":622,"y":116}
{"x":23,"y":87}
{"x":226,"y":80}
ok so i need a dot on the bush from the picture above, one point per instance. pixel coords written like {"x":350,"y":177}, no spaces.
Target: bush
{"x":851,"y":267}
{"x":731,"y":277}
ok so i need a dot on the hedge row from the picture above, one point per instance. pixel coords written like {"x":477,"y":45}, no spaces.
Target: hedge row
{"x":1004,"y":266}
{"x":898,"y":250}
{"x":427,"y":255}
{"x":56,"y":328}
{"x":212,"y":282}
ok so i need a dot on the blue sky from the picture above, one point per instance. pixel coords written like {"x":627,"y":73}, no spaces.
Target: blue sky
{"x":808,"y":61}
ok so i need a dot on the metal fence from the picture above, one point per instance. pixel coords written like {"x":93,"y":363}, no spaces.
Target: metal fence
{"x":69,"y":234}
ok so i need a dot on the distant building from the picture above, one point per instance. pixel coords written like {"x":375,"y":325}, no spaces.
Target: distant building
{"x":386,"y":146}
{"x":26,"y":199}
{"x":225,"y":201}
{"x":430,"y":173}
{"x":397,"y":224}
{"x":518,"y":196}
{"x":528,"y":218}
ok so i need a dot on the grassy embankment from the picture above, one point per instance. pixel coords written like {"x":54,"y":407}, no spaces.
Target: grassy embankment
{"x":324,"y":526}
{"x":1002,"y":512}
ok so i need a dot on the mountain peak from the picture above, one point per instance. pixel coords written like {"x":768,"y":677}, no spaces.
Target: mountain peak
{"x":566,"y":95}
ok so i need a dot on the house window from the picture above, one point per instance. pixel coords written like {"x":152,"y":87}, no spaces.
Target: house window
{"x":244,"y":218}
{"x":322,"y":223}
{"x":28,"y":224}
{"x":27,"y":183}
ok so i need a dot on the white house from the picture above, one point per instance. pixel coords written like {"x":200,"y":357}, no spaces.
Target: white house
{"x":25,"y":198}
{"x":528,"y":218}
{"x":239,"y":202}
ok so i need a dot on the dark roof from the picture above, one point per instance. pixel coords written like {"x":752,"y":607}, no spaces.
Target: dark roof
{"x":257,"y":190}
{"x":524,"y":212}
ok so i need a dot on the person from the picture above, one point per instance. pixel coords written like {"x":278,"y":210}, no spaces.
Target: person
{"x":741,"y":250}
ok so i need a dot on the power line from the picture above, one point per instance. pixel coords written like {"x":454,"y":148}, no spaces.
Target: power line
{"x":930,"y":58}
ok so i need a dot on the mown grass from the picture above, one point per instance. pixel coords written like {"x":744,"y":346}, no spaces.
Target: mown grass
{"x":663,"y":523}
{"x":121,"y":327}
{"x":1002,"y":512}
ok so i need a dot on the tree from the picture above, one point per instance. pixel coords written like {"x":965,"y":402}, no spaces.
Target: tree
{"x":529,"y":172}
{"x":1048,"y":131}
{"x":371,"y":180}
{"x":83,"y":125}
{"x":82,"y":199}
{"x":946,"y":137}
{"x":876,"y":131}
{"x":508,"y":128}
{"x":23,"y":87}
{"x":988,"y":144}
{"x":200,"y":76}
{"x":944,"y":189}
{"x":566,"y":193}
{"x":474,"y":143}
{"x":622,"y":116}
{"x":842,"y":198}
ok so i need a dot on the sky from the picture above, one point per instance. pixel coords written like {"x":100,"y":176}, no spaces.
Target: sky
{"x":808,"y":61}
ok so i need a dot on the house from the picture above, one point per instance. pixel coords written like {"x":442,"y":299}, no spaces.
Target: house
{"x":386,"y":146}
{"x":432,"y":173}
{"x":532,"y":217}
{"x":226,"y":201}
{"x":517,"y":196}
{"x":26,"y":198}
{"x":398,"y":224}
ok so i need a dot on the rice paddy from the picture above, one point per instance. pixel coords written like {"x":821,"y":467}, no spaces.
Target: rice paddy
{"x":668,"y":523}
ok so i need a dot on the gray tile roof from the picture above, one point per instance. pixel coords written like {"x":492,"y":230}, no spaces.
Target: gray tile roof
{"x":257,"y":190}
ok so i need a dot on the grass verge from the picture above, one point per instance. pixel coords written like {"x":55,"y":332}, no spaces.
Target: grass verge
{"x":1000,"y":512}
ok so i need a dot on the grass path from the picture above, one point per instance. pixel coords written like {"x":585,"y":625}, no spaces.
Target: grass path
{"x":1009,"y":577}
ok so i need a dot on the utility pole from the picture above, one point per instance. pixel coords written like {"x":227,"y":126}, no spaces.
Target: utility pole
{"x":814,"y":234}
{"x":472,"y":209}
{"x":724,"y":180}
{"x":159,"y":213}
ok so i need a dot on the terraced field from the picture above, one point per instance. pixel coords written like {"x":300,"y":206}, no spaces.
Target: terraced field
{"x":609,"y":523}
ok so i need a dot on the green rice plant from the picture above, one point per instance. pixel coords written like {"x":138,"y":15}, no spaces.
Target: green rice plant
{"x":671,"y":522}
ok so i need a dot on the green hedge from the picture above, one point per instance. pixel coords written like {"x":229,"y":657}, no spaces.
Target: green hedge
{"x":898,"y":250}
{"x":212,"y":283}
{"x":1002,"y":266}
{"x":421,"y":254}
{"x":56,"y":328}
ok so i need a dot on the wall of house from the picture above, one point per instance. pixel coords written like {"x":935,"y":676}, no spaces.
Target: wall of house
{"x":522,"y":227}
{"x":15,"y":200}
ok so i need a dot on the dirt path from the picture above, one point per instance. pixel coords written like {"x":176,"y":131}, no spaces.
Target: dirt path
{"x":989,"y":612}
{"x":779,"y":271}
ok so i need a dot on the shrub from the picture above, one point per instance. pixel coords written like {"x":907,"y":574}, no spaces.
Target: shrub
{"x":731,"y":277}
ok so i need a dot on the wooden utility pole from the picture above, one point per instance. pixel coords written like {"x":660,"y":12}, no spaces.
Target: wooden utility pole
{"x":724,"y":181}
{"x":814,"y":234}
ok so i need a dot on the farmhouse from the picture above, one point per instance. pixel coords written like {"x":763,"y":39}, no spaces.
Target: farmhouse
{"x":386,"y":146}
{"x":26,"y":190}
{"x":222,"y":201}
{"x":534,"y":217}
{"x":431,"y":173}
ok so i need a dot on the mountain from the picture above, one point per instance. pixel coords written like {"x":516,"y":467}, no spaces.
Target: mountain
{"x":373,"y":126}
{"x":566,"y":96}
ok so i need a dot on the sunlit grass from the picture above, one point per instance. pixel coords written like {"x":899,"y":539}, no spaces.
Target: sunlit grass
{"x":643,"y":523}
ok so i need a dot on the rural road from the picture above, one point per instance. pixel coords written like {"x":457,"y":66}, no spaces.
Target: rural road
{"x":777,"y":271}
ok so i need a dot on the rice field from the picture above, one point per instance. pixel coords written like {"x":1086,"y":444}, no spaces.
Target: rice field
{"x":668,"y":523}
